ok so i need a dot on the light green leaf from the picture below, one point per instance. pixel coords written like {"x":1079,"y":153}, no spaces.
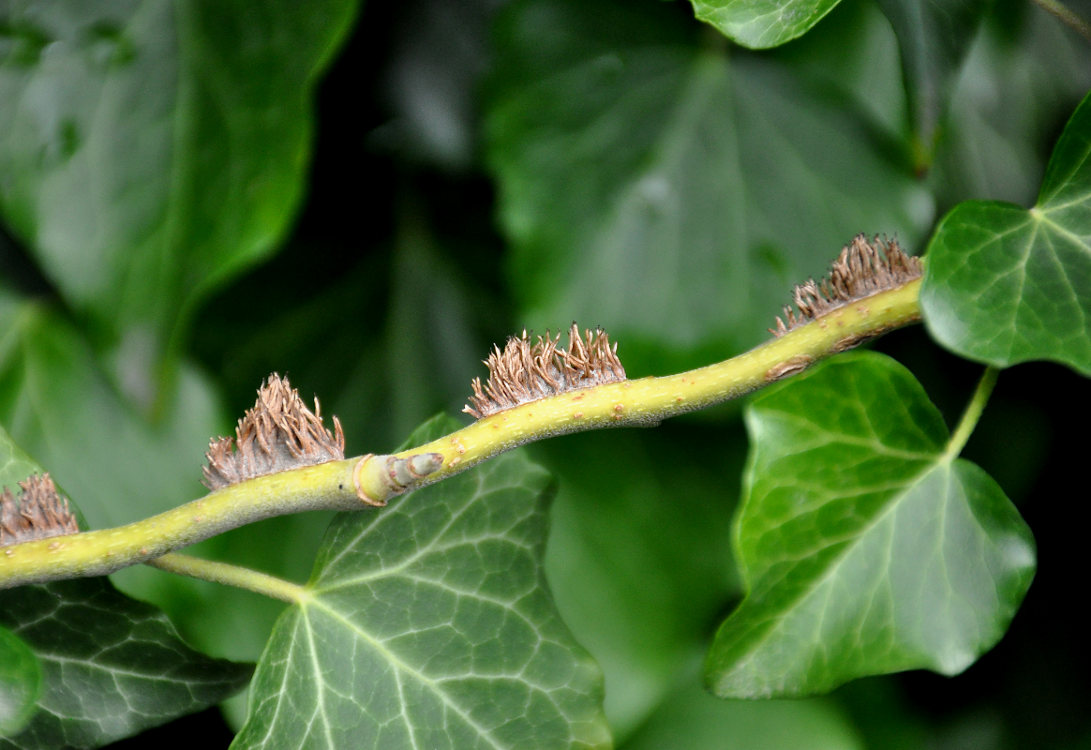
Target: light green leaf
{"x":20,"y":683}
{"x":429,"y":624}
{"x":110,"y":666}
{"x":667,"y":192}
{"x":763,"y":23}
{"x":865,"y":547}
{"x":1004,"y":285}
{"x":150,"y":151}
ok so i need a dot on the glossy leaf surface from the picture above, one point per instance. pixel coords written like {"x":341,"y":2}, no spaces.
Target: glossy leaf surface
{"x":428,"y":624}
{"x":865,"y":547}
{"x":1005,"y":285}
{"x":762,"y":23}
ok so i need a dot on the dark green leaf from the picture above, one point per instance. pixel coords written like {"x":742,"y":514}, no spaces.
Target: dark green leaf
{"x":20,"y":683}
{"x":865,"y":547}
{"x":934,"y":38}
{"x":429,"y":624}
{"x":148,"y":152}
{"x":762,"y":23}
{"x":110,"y":665}
{"x":1004,"y":285}
{"x":666,"y":192}
{"x":638,"y":556}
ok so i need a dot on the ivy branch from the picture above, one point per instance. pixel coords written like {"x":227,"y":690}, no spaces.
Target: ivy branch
{"x":534,"y":391}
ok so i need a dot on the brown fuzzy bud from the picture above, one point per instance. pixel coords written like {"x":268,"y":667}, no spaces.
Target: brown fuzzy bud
{"x":278,"y":434}
{"x":40,"y":512}
{"x":527,"y":371}
{"x":864,"y":268}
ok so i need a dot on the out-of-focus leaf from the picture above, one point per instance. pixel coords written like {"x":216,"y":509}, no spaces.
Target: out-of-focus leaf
{"x":866,"y":548}
{"x":428,"y":624}
{"x":20,"y":683}
{"x":934,"y":38}
{"x":1023,"y":77}
{"x":763,"y":23}
{"x":668,"y":192}
{"x":1005,"y":285}
{"x":150,"y":151}
{"x":60,"y":407}
{"x":690,"y":718}
{"x":639,"y":553}
{"x":110,"y":665}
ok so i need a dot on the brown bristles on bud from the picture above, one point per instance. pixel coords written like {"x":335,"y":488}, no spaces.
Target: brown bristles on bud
{"x":39,"y":513}
{"x":864,"y":268}
{"x":527,"y":371}
{"x":278,"y":434}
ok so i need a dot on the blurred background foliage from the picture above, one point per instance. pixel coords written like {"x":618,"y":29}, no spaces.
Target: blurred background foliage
{"x":367,"y":198}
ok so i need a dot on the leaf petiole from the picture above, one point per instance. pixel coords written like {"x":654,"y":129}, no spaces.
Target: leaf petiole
{"x":972,"y":414}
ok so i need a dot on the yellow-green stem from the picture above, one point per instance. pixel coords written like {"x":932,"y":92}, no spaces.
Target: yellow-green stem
{"x":353,"y":483}
{"x":648,"y":400}
{"x":327,"y":486}
{"x":231,"y":575}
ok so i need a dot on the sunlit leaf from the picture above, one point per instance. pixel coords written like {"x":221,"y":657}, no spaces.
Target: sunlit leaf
{"x":428,"y":624}
{"x":762,"y":23}
{"x":1005,"y":285}
{"x":865,"y":547}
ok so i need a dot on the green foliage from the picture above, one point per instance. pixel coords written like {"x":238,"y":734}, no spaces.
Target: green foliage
{"x":477,"y":170}
{"x":94,"y":664}
{"x":1005,"y":285}
{"x":435,"y":610}
{"x":866,"y":546}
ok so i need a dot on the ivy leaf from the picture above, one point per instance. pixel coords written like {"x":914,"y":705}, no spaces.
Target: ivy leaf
{"x":110,"y":665}
{"x":429,"y":624}
{"x":762,"y":23}
{"x":20,"y":683}
{"x":646,"y":182}
{"x":1005,"y":285}
{"x":934,"y":40}
{"x":149,"y":152}
{"x":865,"y":547}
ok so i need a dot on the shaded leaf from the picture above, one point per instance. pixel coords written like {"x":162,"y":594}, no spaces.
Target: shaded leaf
{"x":865,"y":547}
{"x":665,"y":191}
{"x":20,"y":683}
{"x":763,"y":23}
{"x":1005,"y":285}
{"x":934,"y":38}
{"x":110,"y":666}
{"x":638,"y":559}
{"x":690,"y":718}
{"x":428,"y":624}
{"x":149,"y":152}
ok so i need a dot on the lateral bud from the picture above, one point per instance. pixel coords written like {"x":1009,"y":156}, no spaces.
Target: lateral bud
{"x":380,"y":477}
{"x":39,"y":513}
